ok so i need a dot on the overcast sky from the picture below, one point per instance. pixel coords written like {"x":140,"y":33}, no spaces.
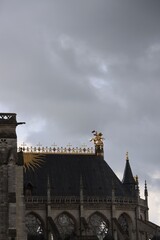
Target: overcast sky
{"x":70,"y":67}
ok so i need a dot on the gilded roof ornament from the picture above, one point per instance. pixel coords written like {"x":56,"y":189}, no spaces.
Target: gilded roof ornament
{"x":127,"y":158}
{"x":33,"y":160}
{"x":98,"y":142}
{"x":98,"y":138}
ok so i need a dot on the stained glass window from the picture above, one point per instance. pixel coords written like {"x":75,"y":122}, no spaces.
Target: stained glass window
{"x":65,"y":225}
{"x":99,"y":225}
{"x":34,"y":226}
{"x":124,"y":223}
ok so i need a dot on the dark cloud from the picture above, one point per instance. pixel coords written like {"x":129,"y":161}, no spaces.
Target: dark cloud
{"x":67,"y":68}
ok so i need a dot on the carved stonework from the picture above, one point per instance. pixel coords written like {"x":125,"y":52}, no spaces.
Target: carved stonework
{"x":7,"y":152}
{"x":8,"y":124}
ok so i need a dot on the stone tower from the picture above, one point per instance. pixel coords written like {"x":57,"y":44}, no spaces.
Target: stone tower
{"x":11,"y":181}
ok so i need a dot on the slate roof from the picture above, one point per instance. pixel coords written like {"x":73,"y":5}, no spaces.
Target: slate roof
{"x":128,"y":176}
{"x":64,"y":172}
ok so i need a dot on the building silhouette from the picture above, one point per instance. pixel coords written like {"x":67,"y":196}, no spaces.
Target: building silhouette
{"x":67,"y":193}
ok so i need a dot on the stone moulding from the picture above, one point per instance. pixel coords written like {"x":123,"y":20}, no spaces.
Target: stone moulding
{"x":76,"y":199}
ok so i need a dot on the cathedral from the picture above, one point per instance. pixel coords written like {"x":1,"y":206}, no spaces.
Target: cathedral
{"x":52,"y":193}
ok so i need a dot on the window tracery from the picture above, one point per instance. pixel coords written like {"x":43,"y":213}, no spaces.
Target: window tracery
{"x":34,"y":227}
{"x":125,"y":223}
{"x":99,"y":225}
{"x":66,"y":225}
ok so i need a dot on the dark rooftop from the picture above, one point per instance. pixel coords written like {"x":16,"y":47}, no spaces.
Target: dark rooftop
{"x":64,"y":172}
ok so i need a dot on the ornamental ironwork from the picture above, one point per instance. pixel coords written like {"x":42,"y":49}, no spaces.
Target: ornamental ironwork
{"x":56,"y":150}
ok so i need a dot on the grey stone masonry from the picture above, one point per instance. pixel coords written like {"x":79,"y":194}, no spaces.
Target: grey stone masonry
{"x":3,"y":202}
{"x":8,"y":179}
{"x":20,"y":205}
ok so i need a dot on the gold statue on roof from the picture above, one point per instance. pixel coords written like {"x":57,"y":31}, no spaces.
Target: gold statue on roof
{"x":98,"y":142}
{"x":98,"y":138}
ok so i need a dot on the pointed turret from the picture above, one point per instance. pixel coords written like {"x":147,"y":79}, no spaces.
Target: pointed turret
{"x":137,"y":185}
{"x":145,"y":190}
{"x":128,"y":179}
{"x":146,"y":199}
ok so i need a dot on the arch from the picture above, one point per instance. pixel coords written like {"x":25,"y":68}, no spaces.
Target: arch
{"x":66,"y":225}
{"x":69,"y":215}
{"x":98,"y":224}
{"x":126,"y":223}
{"x":35,"y":226}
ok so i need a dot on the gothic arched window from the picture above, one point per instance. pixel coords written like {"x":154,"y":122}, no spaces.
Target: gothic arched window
{"x":125,"y":222}
{"x":65,"y":225}
{"x":34,"y":227}
{"x":99,"y":225}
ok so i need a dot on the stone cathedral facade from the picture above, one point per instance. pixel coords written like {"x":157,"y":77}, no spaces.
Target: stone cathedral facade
{"x":67,"y":193}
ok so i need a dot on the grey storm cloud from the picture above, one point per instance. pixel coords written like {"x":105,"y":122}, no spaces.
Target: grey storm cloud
{"x":68,"y":67}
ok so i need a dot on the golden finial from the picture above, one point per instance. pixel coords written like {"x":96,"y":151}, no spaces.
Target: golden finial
{"x":127,"y":158}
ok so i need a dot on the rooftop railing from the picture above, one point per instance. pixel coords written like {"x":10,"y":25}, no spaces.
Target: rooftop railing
{"x":57,"y":150}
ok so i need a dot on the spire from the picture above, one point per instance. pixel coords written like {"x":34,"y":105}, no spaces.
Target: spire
{"x":128,"y":176}
{"x":146,"y":199}
{"x":137,"y":185}
{"x":145,"y":190}
{"x":127,"y":158}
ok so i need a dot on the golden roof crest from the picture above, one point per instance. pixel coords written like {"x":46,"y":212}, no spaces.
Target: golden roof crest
{"x":33,"y":160}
